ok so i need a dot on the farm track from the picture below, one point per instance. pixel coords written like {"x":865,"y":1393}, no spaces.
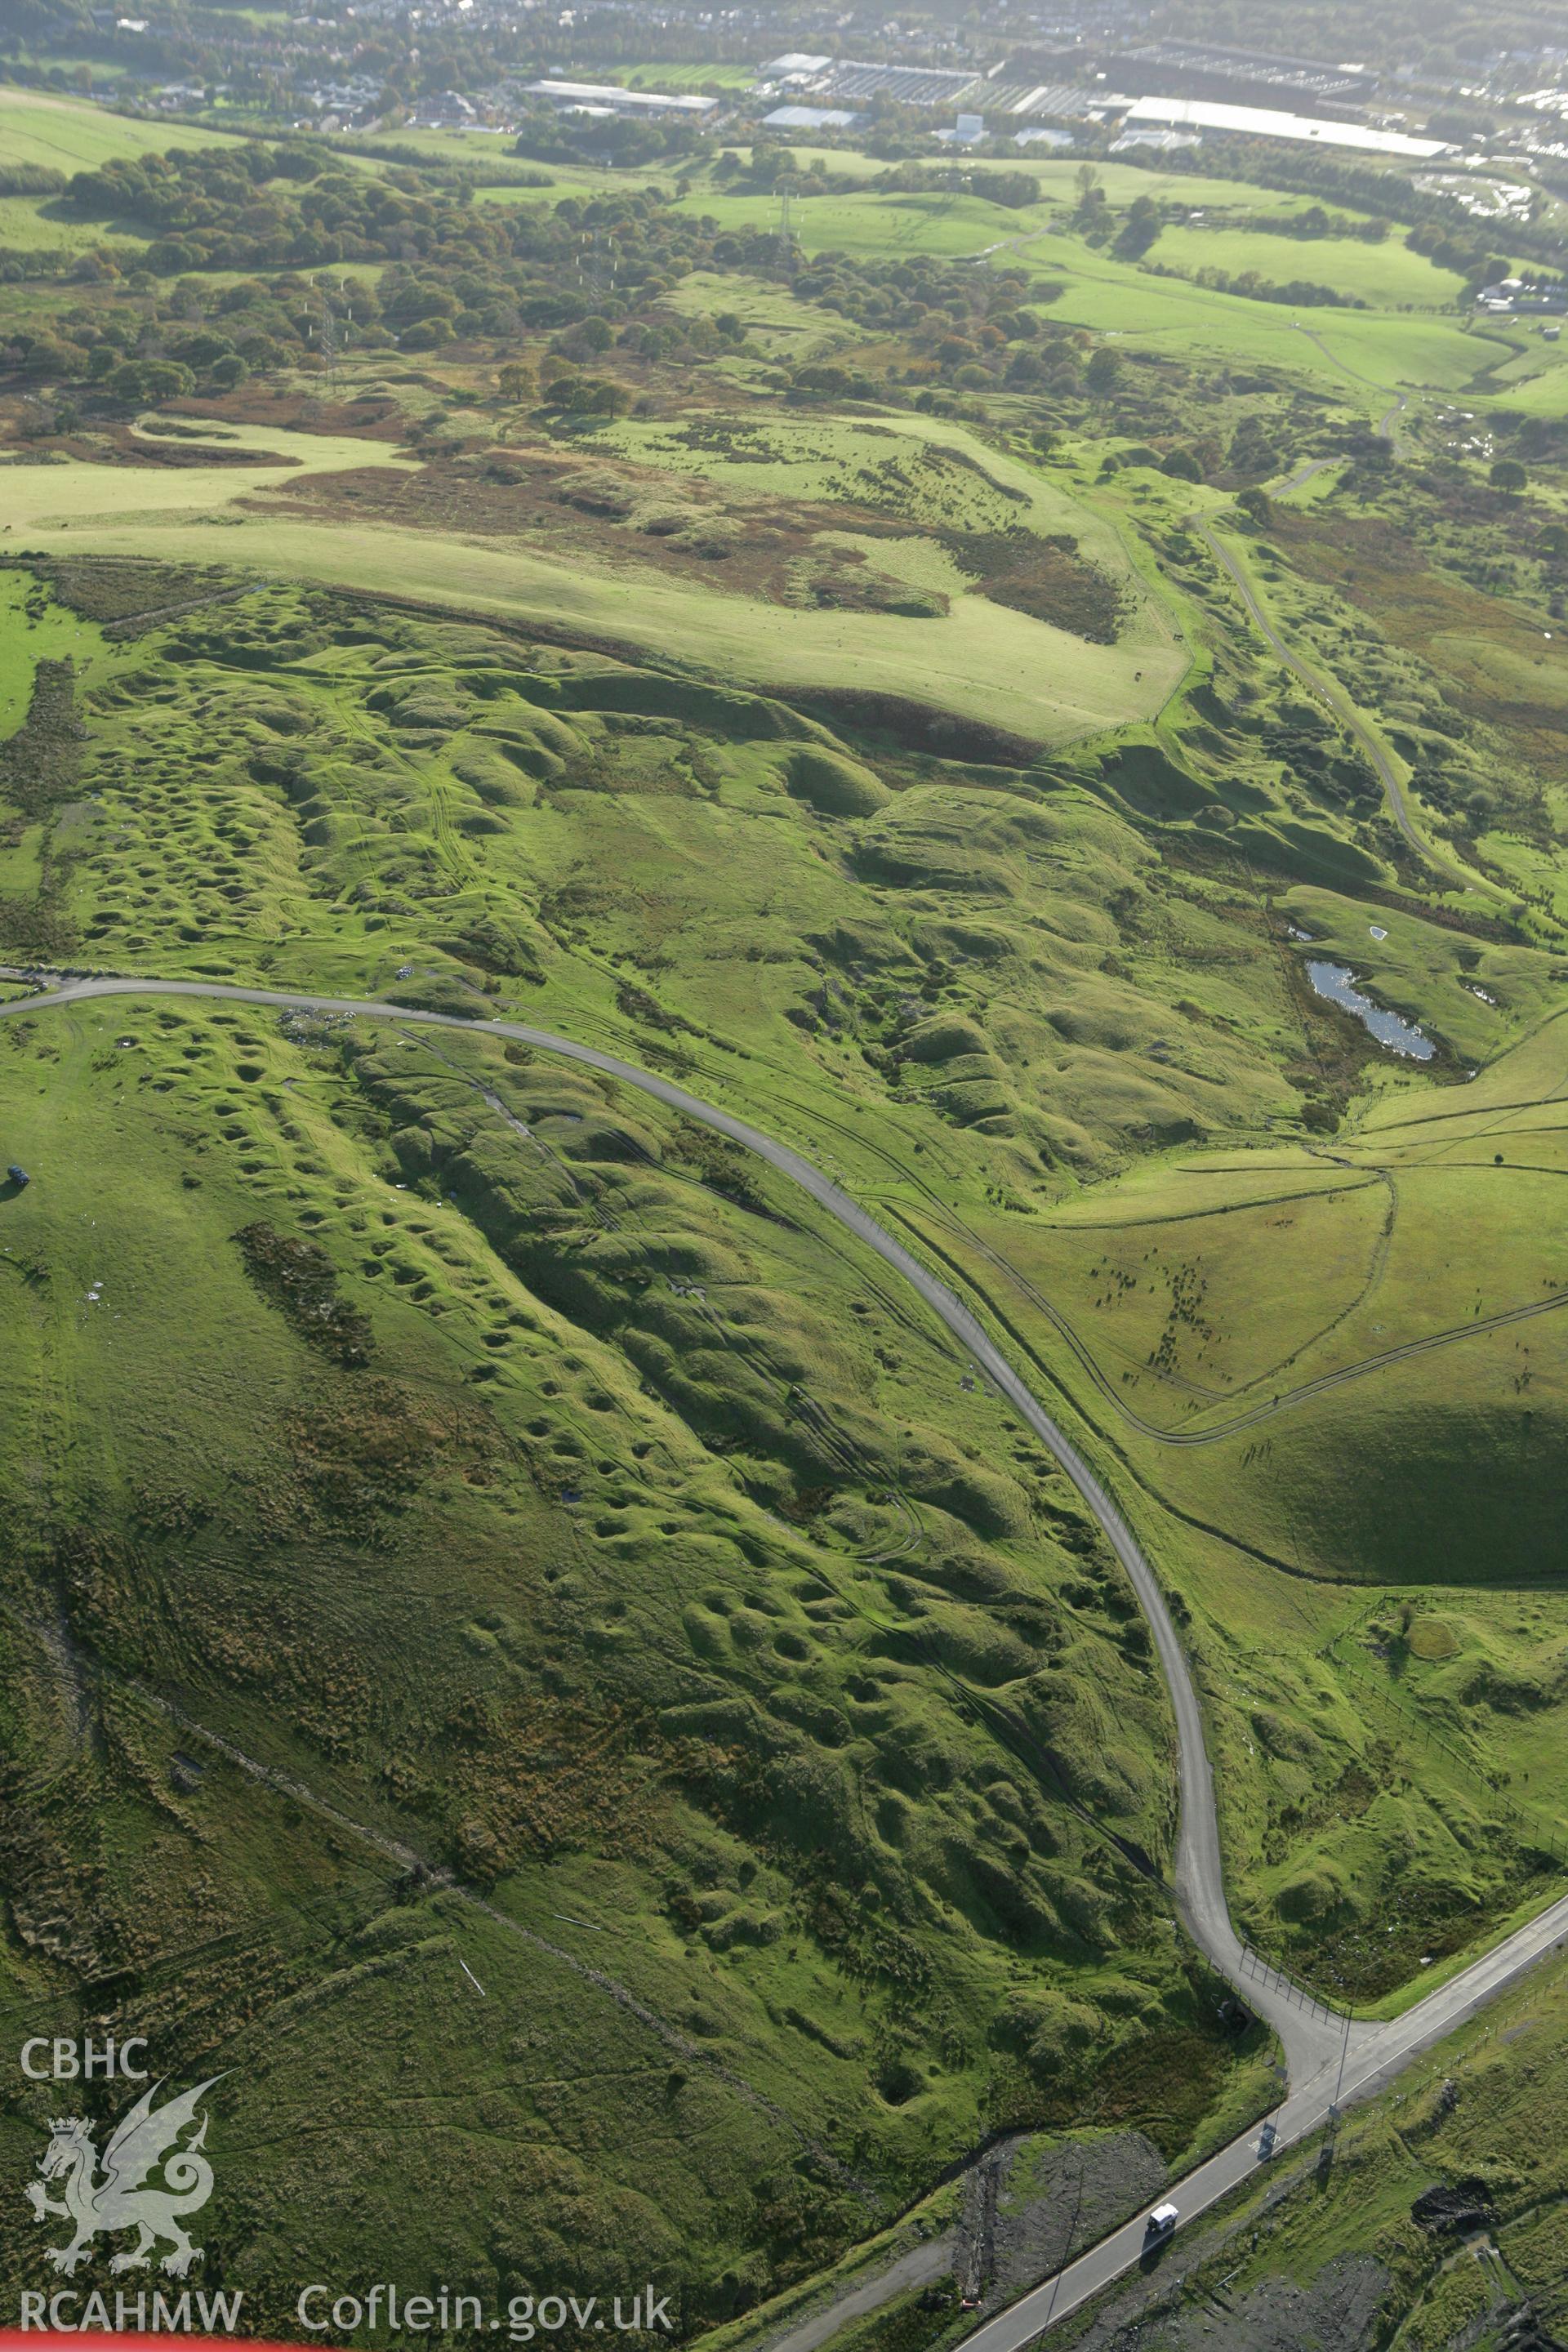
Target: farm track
{"x":1286,"y":1398}
{"x":1339,"y":709}
{"x":1330,"y":2060}
{"x":1333,"y":698}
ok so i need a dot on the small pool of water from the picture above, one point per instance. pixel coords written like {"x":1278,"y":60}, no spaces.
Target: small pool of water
{"x":1337,"y":982}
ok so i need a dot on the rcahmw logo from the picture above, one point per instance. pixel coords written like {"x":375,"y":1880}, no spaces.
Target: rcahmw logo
{"x":151,"y":2176}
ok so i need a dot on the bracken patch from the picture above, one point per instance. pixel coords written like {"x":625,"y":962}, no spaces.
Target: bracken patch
{"x":299,"y":1277}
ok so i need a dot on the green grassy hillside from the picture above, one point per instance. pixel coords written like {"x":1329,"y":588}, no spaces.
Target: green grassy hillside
{"x":1069,"y":1071}
{"x":506,"y":1611}
{"x":513,"y":1478}
{"x":860,"y":599}
{"x":67,"y":134}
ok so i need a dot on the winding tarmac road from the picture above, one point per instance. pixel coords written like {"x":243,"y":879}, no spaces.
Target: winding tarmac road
{"x":1372,"y":2055}
{"x":1328,"y":2058}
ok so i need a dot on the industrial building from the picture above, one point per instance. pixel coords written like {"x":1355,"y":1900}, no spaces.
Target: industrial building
{"x":609,"y":98}
{"x":1265,"y":122}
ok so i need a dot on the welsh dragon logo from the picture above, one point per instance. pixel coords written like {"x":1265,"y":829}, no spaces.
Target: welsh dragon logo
{"x":123,"y":2196}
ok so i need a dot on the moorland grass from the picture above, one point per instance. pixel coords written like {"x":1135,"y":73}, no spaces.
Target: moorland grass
{"x":780,"y":322}
{"x":667,"y":1520}
{"x":981,"y":661}
{"x":982,"y":999}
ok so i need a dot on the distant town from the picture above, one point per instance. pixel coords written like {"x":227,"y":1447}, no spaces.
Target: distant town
{"x":1071,"y":83}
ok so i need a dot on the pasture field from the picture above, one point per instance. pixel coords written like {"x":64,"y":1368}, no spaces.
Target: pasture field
{"x":947,"y":225}
{"x":843,"y":163}
{"x":1056,"y":179}
{"x":1351,"y":352}
{"x":29,"y":224}
{"x":1124,"y":183}
{"x":1386,"y":275}
{"x":68,"y":134}
{"x":1536,"y":385}
{"x":476,"y":149}
{"x":1377,"y":348}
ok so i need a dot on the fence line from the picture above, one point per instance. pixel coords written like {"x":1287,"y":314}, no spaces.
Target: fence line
{"x":1254,"y":1965}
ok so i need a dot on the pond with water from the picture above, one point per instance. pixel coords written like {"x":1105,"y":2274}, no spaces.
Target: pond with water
{"x":1337,"y":982}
